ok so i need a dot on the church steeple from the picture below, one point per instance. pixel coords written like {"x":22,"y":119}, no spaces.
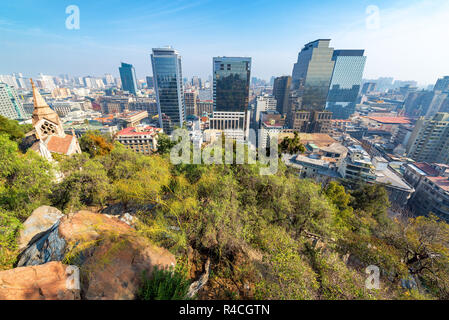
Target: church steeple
{"x":45,"y":120}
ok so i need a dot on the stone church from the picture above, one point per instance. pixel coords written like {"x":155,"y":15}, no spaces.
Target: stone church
{"x":48,"y":135}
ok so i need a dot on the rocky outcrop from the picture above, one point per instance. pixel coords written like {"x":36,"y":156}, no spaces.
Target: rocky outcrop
{"x":50,"y":281}
{"x":111,"y":255}
{"x":44,"y":247}
{"x":202,"y":281}
{"x":42,"y":219}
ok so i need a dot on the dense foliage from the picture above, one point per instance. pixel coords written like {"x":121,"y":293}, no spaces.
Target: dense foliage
{"x":270,"y":237}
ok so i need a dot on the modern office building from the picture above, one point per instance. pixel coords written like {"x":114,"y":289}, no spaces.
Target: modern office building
{"x":231,"y":83}
{"x":345,"y":83}
{"x":281,"y":91}
{"x":312,"y":74}
{"x":309,"y":89}
{"x":429,"y":141}
{"x":190,"y":100}
{"x":167,"y":76}
{"x":10,"y":105}
{"x":128,"y":78}
{"x":231,"y":77}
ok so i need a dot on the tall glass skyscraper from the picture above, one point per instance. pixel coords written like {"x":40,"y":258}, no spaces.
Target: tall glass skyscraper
{"x":167,"y":77}
{"x":128,"y":77}
{"x":311,"y":76}
{"x":231,"y":83}
{"x":345,"y":83}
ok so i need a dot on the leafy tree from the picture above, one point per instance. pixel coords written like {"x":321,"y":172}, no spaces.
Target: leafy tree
{"x":87,"y":186}
{"x":25,"y":180}
{"x":373,"y":200}
{"x":164,"y":144}
{"x":337,"y":195}
{"x":93,"y":143}
{"x":12,"y":128}
{"x":292,"y":145}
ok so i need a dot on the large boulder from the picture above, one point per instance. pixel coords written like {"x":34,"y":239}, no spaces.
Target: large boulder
{"x":51,"y":281}
{"x":44,"y":247}
{"x":111,"y":255}
{"x":42,"y":219}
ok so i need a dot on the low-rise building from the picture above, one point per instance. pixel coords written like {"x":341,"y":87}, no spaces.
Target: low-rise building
{"x":141,"y":139}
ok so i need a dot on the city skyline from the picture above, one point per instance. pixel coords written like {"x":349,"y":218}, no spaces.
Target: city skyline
{"x":271,"y":34}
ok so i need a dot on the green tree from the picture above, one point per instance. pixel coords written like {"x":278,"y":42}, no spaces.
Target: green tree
{"x":292,"y":145}
{"x":164,"y":144}
{"x":25,"y":180}
{"x":12,"y":128}
{"x":373,"y":200}
{"x":89,"y":185}
{"x":93,"y":143}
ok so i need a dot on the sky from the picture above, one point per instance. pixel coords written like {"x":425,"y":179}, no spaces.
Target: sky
{"x":407,"y":40}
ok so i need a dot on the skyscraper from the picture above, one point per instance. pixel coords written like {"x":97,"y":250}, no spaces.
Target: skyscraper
{"x":10,"y":105}
{"x":231,"y":83}
{"x":167,"y":77}
{"x":312,"y":74}
{"x":311,"y":78}
{"x":231,"y":96}
{"x":345,"y":83}
{"x":128,"y":77}
{"x":281,"y":91}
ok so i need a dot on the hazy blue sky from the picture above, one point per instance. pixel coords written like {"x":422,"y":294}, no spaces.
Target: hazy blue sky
{"x":408,"y":41}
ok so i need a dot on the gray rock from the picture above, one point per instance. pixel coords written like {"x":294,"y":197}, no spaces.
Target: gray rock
{"x":44,"y":247}
{"x":198,"y":285}
{"x":42,"y":219}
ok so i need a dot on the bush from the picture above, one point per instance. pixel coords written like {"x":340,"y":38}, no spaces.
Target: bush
{"x":164,"y":285}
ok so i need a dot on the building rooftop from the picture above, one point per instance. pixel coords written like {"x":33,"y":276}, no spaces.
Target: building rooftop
{"x":426,"y":168}
{"x":274,"y":124}
{"x":391,"y":120}
{"x":319,"y":139}
{"x":442,"y":182}
{"x":58,"y":144}
{"x":390,"y":177}
{"x":137,"y":131}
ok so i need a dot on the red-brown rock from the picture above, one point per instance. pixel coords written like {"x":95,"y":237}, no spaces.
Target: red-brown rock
{"x":50,"y":281}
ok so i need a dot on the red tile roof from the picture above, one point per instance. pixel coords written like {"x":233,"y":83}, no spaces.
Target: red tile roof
{"x":131,"y":131}
{"x":59,"y":145}
{"x":391,"y":120}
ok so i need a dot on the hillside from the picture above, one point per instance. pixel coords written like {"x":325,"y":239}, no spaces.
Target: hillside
{"x":266,"y":237}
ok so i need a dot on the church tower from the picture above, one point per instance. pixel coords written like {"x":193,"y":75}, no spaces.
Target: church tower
{"x":48,"y":135}
{"x":45,"y":121}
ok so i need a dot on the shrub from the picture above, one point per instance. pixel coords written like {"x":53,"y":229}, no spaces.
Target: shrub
{"x":164,"y":285}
